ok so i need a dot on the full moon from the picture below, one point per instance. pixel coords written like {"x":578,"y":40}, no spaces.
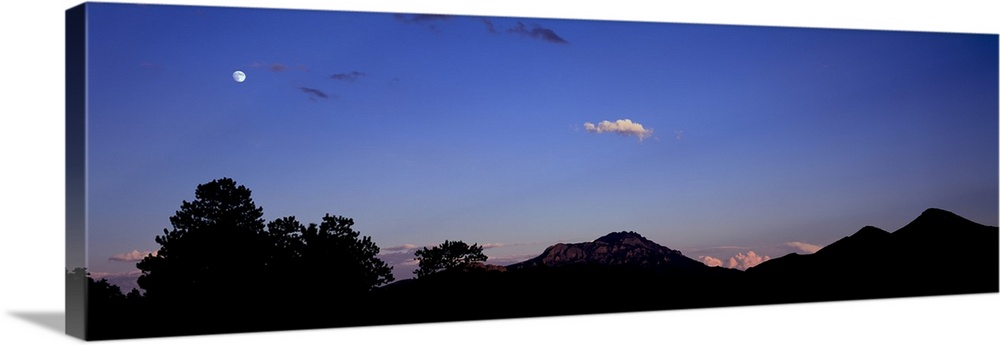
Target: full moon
{"x":239,"y":76}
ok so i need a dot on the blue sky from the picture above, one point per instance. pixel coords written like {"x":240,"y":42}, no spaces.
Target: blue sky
{"x":427,"y":128}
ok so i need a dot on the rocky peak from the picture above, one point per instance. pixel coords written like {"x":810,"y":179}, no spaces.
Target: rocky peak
{"x":620,"y":236}
{"x":617,"y":248}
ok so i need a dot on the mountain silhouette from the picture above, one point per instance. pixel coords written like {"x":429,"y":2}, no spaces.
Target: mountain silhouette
{"x":618,"y":272}
{"x":937,"y":253}
{"x":617,"y":248}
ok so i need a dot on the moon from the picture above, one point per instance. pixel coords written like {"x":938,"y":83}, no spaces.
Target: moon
{"x":239,"y":76}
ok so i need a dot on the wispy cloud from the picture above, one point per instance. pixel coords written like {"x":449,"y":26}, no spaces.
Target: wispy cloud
{"x":489,"y":26}
{"x":405,"y":258}
{"x":400,"y":256}
{"x":403,"y":262}
{"x":351,"y":76}
{"x":132,"y":256}
{"x":504,"y":260}
{"x":804,"y":247}
{"x":536,"y":31}
{"x":421,"y":18}
{"x":710,"y":261}
{"x":498,"y":245}
{"x":527,"y":30}
{"x":427,"y":20}
{"x":743,"y":261}
{"x":314,"y":92}
{"x":275,"y":67}
{"x":409,"y":247}
{"x":622,"y":127}
{"x":126,"y":281}
{"x":401,"y":248}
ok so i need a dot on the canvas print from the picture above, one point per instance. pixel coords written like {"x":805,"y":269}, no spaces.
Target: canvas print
{"x":242,"y":170}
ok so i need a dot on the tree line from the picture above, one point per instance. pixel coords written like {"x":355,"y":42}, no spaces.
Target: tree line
{"x":221,"y":261}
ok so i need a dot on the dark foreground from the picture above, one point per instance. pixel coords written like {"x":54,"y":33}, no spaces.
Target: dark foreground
{"x":621,"y":272}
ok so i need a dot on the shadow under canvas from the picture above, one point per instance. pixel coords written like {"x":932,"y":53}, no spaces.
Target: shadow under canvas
{"x":54,"y":321}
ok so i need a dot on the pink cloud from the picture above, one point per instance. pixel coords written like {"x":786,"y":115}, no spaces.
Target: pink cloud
{"x":401,"y":248}
{"x":710,"y":261}
{"x":743,"y":261}
{"x":804,"y":247}
{"x":134,"y":255}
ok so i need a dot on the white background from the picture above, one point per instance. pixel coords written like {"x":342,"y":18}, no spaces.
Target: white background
{"x":32,"y":182}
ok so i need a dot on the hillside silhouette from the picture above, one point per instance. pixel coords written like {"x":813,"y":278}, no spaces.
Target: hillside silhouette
{"x":624,"y":272}
{"x":223,"y":268}
{"x":938,"y":253}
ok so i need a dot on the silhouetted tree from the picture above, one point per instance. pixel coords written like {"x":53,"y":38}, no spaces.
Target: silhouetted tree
{"x":284,"y":264}
{"x":220,"y":261}
{"x":107,"y":308}
{"x":215,"y":252}
{"x":447,"y":255}
{"x":77,"y":278}
{"x":98,"y":291}
{"x":335,"y":250}
{"x":322,"y":261}
{"x":285,"y":237}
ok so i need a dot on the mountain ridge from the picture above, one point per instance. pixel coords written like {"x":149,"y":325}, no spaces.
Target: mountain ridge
{"x":937,"y":253}
{"x":626,"y":272}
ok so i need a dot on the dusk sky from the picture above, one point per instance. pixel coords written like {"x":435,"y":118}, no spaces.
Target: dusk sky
{"x":719,"y":141}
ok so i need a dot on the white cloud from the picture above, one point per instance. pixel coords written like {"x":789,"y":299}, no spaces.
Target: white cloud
{"x":621,"y":127}
{"x":396,"y":258}
{"x":750,"y":259}
{"x":504,"y":260}
{"x":401,"y":248}
{"x":710,"y":261}
{"x":109,"y":275}
{"x":134,"y":255}
{"x":804,"y":247}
